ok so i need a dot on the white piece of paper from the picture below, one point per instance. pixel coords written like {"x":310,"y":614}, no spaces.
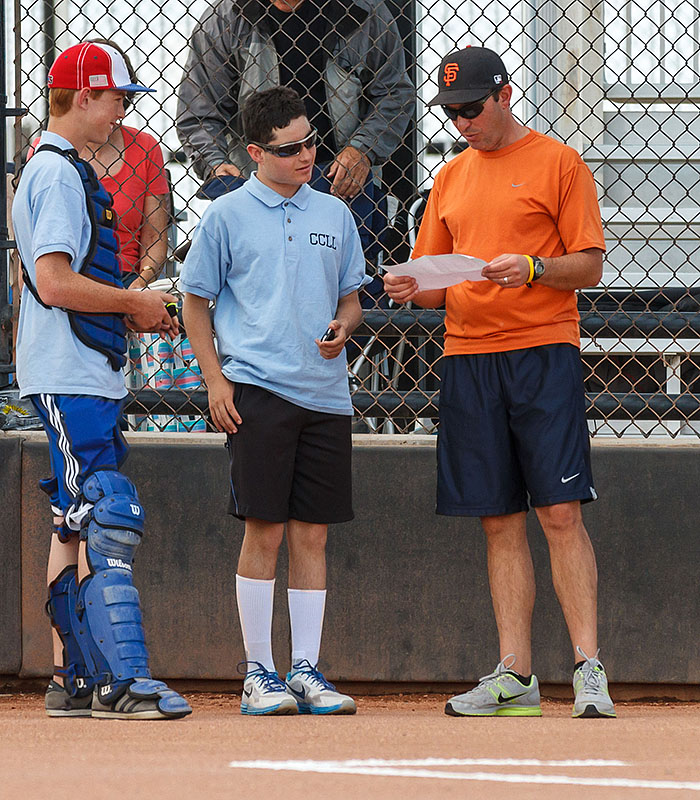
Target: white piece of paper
{"x":439,"y":272}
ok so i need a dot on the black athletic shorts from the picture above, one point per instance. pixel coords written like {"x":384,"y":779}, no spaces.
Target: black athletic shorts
{"x":288,"y":462}
{"x":512,"y":432}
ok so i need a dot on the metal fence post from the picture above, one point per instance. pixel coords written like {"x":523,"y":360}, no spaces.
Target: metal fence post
{"x":6,"y":244}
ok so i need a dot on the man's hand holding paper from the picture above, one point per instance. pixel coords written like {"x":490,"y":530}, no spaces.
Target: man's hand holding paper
{"x":439,"y":272}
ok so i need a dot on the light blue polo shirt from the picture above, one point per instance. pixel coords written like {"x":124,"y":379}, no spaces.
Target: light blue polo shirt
{"x":277,"y":267}
{"x":49,"y":215}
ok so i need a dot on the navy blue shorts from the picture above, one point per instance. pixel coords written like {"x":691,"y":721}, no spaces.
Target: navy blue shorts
{"x":84,"y":436}
{"x":512,"y":432}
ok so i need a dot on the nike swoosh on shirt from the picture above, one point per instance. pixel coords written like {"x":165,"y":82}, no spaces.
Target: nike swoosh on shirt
{"x":516,"y":185}
{"x":566,"y":480}
{"x":503,"y":699}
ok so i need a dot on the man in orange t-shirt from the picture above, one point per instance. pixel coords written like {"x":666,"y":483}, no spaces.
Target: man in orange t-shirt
{"x":512,"y":425}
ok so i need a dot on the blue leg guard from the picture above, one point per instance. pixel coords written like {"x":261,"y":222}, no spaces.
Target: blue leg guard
{"x":108,"y":598}
{"x":63,"y":597}
{"x":112,"y":637}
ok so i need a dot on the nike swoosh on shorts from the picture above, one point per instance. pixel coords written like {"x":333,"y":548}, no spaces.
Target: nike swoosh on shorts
{"x":570,"y":478}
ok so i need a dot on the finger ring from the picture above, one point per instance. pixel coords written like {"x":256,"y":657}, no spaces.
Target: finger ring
{"x":505,"y":280}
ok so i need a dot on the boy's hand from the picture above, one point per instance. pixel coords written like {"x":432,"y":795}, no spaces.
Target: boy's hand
{"x":151,"y":315}
{"x":223,"y":412}
{"x":332,"y":349}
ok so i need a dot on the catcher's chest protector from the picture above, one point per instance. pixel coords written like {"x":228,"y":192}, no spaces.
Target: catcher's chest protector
{"x":105,"y":333}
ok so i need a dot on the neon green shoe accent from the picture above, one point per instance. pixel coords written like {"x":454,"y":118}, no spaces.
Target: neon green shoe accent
{"x":519,"y":711}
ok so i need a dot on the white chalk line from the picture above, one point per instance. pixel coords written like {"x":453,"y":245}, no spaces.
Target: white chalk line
{"x":472,"y":762}
{"x":380,"y":768}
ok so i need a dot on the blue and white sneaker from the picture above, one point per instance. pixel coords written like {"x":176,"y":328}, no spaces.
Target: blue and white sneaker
{"x":314,"y":694}
{"x":265,"y":693}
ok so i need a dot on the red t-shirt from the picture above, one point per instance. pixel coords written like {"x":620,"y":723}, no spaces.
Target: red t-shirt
{"x":142,"y":174}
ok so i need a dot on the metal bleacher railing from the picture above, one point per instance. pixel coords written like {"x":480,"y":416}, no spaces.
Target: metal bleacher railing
{"x":619,"y":82}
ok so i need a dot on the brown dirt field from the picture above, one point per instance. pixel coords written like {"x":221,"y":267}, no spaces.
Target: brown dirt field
{"x":191,"y":758}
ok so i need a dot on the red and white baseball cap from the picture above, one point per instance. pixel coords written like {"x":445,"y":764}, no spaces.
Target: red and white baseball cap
{"x":92,"y":66}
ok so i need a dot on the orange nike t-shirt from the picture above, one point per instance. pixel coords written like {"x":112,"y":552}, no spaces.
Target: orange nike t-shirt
{"x":534,"y":197}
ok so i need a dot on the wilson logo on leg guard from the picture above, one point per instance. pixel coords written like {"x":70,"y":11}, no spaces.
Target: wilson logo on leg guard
{"x":117,"y":562}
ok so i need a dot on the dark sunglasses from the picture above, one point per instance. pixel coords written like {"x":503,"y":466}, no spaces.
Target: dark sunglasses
{"x":469,"y":110}
{"x":290,"y":148}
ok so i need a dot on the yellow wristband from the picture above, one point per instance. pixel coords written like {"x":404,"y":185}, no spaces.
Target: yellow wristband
{"x":531,"y":262}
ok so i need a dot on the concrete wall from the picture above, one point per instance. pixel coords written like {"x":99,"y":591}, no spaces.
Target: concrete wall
{"x":10,"y":614}
{"x":408,"y":597}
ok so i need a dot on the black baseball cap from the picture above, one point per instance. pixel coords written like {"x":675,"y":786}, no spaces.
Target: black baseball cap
{"x":469,"y":75}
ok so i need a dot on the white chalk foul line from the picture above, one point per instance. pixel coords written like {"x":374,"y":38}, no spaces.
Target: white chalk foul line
{"x":371,"y":767}
{"x":475,"y":762}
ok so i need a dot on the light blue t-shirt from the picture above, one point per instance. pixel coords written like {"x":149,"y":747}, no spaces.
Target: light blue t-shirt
{"x":277,"y":267}
{"x":49,"y":215}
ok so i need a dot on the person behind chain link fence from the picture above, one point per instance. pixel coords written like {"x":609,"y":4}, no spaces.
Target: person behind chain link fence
{"x":346,"y":60}
{"x":512,"y":426}
{"x":130,"y":166}
{"x":284,"y":265}
{"x":71,"y":349}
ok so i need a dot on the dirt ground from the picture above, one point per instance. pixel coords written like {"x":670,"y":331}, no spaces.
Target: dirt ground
{"x":395,"y":747}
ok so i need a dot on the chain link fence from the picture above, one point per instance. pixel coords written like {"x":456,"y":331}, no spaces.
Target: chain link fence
{"x":620,"y":82}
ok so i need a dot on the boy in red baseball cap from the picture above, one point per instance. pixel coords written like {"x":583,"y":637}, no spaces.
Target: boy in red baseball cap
{"x":71,"y":349}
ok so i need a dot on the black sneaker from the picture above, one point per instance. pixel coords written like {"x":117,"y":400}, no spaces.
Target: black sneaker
{"x":59,"y":703}
{"x":141,"y":699}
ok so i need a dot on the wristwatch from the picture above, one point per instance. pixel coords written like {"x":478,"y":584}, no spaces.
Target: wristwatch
{"x":538,"y":268}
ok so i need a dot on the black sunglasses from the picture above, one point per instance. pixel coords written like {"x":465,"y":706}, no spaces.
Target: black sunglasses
{"x":469,"y":110}
{"x":290,"y":148}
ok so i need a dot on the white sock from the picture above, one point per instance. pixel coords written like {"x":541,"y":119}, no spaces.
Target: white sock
{"x":306,"y":609}
{"x":255,"y":600}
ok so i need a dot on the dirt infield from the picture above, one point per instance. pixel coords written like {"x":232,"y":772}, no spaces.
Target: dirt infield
{"x":396,"y":747}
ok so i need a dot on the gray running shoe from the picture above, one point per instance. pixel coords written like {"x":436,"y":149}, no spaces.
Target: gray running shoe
{"x":499,"y":694}
{"x":591,"y":689}
{"x":58,"y":703}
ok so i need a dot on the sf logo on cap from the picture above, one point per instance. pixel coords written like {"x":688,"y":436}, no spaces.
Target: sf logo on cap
{"x":450,"y":74}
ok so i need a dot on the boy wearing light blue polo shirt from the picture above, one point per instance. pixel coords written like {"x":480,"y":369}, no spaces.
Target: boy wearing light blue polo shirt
{"x":70,"y":351}
{"x":283,"y":264}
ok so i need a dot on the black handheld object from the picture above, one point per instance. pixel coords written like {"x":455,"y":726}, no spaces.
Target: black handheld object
{"x":172,"y":309}
{"x":328,"y":336}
